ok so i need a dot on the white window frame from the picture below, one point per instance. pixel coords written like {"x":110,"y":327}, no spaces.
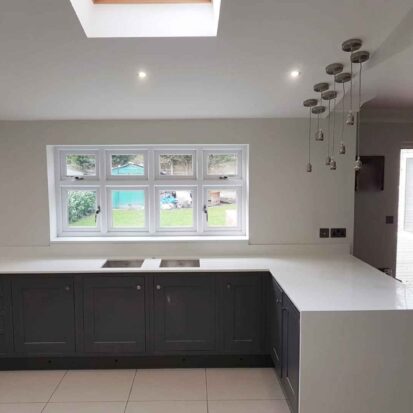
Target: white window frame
{"x":239,"y":194}
{"x":108,"y":156}
{"x":76,"y":151}
{"x":64,"y":210}
{"x":178,"y":230}
{"x":175,"y":151}
{"x":240,"y":165}
{"x":119,"y":230}
{"x":151,"y":182}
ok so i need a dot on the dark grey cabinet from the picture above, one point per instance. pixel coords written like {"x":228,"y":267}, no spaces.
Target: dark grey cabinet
{"x":275,"y":324}
{"x":184,"y":313}
{"x":43,"y":315}
{"x":114,"y":314}
{"x":243,"y":312}
{"x":163,"y":314}
{"x":5,"y":314}
{"x":290,"y":351}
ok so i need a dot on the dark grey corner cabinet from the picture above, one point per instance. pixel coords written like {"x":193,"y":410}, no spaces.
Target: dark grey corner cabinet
{"x":149,"y":320}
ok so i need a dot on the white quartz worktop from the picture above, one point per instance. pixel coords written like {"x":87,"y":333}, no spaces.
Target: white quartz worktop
{"x":315,"y":282}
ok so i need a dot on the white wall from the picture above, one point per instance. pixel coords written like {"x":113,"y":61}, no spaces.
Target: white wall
{"x":375,"y":241}
{"x":287,"y":205}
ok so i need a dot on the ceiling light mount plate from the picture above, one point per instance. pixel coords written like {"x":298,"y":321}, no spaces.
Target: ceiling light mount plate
{"x":318,"y":110}
{"x":360,"y":57}
{"x":321,"y":87}
{"x":351,"y":45}
{"x":343,"y":77}
{"x":329,"y":95}
{"x":334,"y":69}
{"x":309,"y":103}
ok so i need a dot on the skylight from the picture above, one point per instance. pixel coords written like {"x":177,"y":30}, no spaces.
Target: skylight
{"x":148,"y":18}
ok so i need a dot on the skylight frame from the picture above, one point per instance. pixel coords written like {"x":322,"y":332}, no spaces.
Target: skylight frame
{"x":171,"y":18}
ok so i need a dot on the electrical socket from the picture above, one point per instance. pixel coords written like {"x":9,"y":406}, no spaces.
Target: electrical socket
{"x":338,"y":233}
{"x":324,"y":233}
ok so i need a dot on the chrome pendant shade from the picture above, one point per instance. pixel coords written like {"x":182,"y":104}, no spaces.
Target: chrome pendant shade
{"x":359,"y":57}
{"x":334,"y":69}
{"x":319,"y":88}
{"x":350,"y":118}
{"x":351,"y":46}
{"x":342,"y":79}
{"x":347,"y":110}
{"x":309,"y":103}
{"x":329,"y":95}
{"x":319,"y":133}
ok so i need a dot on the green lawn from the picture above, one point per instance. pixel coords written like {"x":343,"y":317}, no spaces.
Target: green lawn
{"x":182,"y":217}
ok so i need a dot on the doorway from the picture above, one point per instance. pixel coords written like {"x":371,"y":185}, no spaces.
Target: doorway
{"x":404,"y":260}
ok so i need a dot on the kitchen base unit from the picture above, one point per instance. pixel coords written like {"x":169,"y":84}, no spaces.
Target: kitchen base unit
{"x":327,"y":361}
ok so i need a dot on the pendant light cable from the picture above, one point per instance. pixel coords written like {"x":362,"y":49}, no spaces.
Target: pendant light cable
{"x":334,"y":120}
{"x":343,"y":109}
{"x":358,"y":115}
{"x":351,"y":86}
{"x":329,"y":129}
{"x":309,"y":137}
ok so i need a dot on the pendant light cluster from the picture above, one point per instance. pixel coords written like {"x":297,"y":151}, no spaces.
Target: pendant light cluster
{"x":327,"y":103}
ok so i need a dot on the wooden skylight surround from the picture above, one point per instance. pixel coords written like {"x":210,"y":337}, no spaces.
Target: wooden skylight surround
{"x":151,"y":1}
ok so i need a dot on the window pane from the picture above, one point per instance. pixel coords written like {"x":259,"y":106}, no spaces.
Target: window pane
{"x":80,"y":165}
{"x":176,"y":210}
{"x":128,"y":209}
{"x":128,"y":165}
{"x":222,"y":164}
{"x":81,"y":208}
{"x":176,"y":165}
{"x":222,"y":208}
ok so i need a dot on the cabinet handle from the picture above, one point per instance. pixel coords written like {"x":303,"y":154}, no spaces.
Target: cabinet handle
{"x":158,"y":287}
{"x":67,"y":288}
{"x":138,"y":287}
{"x":229,"y":286}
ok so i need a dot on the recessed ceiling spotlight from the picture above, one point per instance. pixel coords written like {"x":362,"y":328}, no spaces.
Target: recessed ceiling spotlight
{"x":295,"y":73}
{"x":142,"y":75}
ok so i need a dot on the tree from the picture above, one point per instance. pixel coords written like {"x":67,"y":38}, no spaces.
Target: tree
{"x":81,"y":162}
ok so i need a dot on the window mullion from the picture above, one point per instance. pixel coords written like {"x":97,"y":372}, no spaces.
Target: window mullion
{"x":103,"y":194}
{"x":152,"y":209}
{"x":200,"y":195}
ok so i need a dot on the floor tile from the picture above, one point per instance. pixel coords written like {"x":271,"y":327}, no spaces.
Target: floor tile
{"x":248,"y":406}
{"x":169,"y":384}
{"x":28,"y":386}
{"x":86,"y":407}
{"x":243,"y":384}
{"x":21,"y":407}
{"x":95,"y":386}
{"x":167,"y":407}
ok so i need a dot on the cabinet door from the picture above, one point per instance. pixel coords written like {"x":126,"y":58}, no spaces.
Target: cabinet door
{"x":114,"y":314}
{"x":243,"y":313}
{"x":185,"y":313}
{"x":5,"y":312}
{"x":43,"y":313}
{"x":290,"y":352}
{"x":275,"y":319}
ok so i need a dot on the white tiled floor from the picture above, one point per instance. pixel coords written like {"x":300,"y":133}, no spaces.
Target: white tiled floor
{"x":142,"y":391}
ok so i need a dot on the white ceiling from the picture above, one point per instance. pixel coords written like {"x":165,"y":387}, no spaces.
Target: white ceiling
{"x":50,"y":70}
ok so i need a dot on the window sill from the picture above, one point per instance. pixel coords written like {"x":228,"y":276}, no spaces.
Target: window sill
{"x":85,"y":240}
